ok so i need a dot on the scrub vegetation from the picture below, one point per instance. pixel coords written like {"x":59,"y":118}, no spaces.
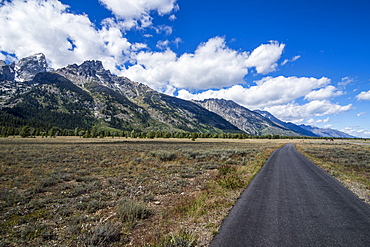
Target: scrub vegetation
{"x":70,"y":191}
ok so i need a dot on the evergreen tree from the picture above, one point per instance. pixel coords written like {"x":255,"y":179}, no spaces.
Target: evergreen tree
{"x":25,"y":132}
{"x":77,"y":131}
{"x":133,"y":134}
{"x":94,"y":132}
{"x":53,"y":132}
{"x":194,"y":136}
{"x":151,"y":135}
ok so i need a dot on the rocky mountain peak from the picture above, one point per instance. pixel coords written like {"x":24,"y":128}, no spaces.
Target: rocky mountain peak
{"x":92,"y":65}
{"x":87,"y":72}
{"x":27,"y":68}
{"x":7,"y":72}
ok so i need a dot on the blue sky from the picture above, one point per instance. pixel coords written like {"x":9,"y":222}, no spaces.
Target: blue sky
{"x":303,"y":61}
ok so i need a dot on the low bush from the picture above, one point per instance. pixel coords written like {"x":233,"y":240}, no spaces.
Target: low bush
{"x":231,"y":181}
{"x":226,"y":169}
{"x":129,"y":211}
{"x":164,"y":155}
{"x":181,"y":239}
{"x":229,"y":178}
{"x":104,"y":234}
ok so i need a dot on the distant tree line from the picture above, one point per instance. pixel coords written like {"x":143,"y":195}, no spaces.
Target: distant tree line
{"x":95,"y":132}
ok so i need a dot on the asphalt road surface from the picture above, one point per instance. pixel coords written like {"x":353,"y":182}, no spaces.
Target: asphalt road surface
{"x":292,"y":202}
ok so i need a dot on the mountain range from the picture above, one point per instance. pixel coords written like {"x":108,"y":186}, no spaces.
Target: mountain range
{"x":87,"y":95}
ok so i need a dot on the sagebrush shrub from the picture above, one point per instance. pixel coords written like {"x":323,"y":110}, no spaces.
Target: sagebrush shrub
{"x":129,"y":210}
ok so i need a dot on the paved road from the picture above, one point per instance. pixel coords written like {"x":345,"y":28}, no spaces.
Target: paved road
{"x":292,"y":202}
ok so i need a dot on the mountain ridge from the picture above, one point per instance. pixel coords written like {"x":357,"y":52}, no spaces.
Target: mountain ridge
{"x":88,"y":95}
{"x":288,"y":125}
{"x":93,"y":95}
{"x":249,"y":121}
{"x":326,"y":132}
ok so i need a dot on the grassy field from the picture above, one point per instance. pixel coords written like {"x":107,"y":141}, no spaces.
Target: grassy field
{"x":121,"y":192}
{"x":69,"y":191}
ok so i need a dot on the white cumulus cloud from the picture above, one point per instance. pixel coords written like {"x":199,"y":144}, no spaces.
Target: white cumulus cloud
{"x":33,"y":26}
{"x":268,"y":91}
{"x":162,"y":44}
{"x":136,"y":13}
{"x":277,"y":95}
{"x":364,"y":95}
{"x":356,"y":131}
{"x":264,"y":58}
{"x":324,"y":93}
{"x":293,"y":112}
{"x":212,"y":65}
{"x":319,"y":121}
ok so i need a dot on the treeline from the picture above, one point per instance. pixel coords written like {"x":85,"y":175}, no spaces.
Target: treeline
{"x":95,"y":132}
